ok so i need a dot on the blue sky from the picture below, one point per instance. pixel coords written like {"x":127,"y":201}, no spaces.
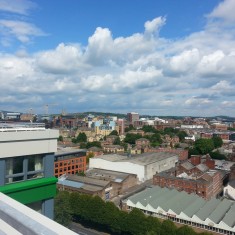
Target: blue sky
{"x":160,"y":57}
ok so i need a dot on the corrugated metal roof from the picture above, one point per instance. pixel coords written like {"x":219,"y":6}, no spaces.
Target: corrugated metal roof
{"x":194,"y":207}
{"x":207,"y":209}
{"x":214,"y":209}
{"x":229,"y":217}
{"x":220,"y":211}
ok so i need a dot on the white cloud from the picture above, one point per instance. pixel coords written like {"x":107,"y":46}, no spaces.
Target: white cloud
{"x":154,"y":25}
{"x":17,"y":6}
{"x":193,"y":75}
{"x":64,"y":59}
{"x":225,"y":10}
{"x":23,"y":31}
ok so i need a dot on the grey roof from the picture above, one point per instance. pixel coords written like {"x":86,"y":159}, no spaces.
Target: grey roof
{"x":107,"y":174}
{"x":202,"y":167}
{"x":141,"y":159}
{"x":207,"y":209}
{"x":187,"y":165}
{"x":229,"y":217}
{"x":190,"y":204}
{"x":194,"y":207}
{"x":220,"y":211}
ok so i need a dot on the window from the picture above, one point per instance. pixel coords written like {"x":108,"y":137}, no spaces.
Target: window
{"x":23,"y":168}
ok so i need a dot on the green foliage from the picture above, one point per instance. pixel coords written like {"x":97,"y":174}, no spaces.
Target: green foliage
{"x":185,"y":230}
{"x":131,"y":127}
{"x":63,"y":212}
{"x":148,"y":128}
{"x":89,"y":155}
{"x":117,"y":141}
{"x":114,"y":132}
{"x":107,"y":217}
{"x":193,"y":151}
{"x":93,"y":144}
{"x":168,"y":228}
{"x":217,"y":155}
{"x":81,"y":137}
{"x":131,"y":138}
{"x":204,"y":146}
{"x":182,"y":135}
{"x":218,"y":142}
{"x":60,"y":138}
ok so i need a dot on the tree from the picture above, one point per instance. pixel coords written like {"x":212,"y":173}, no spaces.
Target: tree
{"x":131,"y":138}
{"x":185,"y":230}
{"x":81,"y":137}
{"x":148,"y":128}
{"x":114,"y":132}
{"x":204,"y":145}
{"x":60,"y":138}
{"x":131,"y":127}
{"x":63,"y":212}
{"x":93,"y":144}
{"x":168,"y":228}
{"x":182,"y":135}
{"x":218,"y":142}
{"x":89,"y":155}
{"x":217,"y":155}
{"x":117,"y":141}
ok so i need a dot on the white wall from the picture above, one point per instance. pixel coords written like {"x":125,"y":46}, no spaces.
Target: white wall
{"x":125,"y":167}
{"x":28,"y":142}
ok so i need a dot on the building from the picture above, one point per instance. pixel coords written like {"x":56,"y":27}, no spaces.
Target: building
{"x":143,"y":165}
{"x":214,"y":215}
{"x":98,"y":182}
{"x":69,"y":161}
{"x":207,"y":185}
{"x":27,"y":165}
{"x":18,"y":219}
{"x":132,"y":117}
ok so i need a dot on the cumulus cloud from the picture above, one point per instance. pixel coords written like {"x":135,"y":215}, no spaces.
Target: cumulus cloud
{"x":153,"y":27}
{"x":142,"y":72}
{"x":64,"y":59}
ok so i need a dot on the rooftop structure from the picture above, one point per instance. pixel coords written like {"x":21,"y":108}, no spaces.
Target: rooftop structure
{"x":18,"y":219}
{"x":181,"y":207}
{"x":143,"y":165}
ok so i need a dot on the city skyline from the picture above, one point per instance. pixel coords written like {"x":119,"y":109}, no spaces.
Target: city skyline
{"x":152,"y":57}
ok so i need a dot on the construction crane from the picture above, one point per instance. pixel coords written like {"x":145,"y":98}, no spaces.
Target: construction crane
{"x":47,"y":108}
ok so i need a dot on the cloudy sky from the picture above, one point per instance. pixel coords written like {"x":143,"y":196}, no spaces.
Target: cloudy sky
{"x":153,"y":57}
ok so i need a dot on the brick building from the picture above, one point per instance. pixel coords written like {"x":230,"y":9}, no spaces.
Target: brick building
{"x":71,"y":162}
{"x":97,"y":182}
{"x":197,"y":179}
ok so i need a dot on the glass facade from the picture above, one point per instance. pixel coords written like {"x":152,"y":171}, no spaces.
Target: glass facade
{"x":23,"y":168}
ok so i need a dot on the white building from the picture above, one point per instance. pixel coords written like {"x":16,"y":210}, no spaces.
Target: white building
{"x":143,"y":165}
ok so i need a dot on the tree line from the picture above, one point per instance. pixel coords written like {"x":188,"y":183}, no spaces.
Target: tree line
{"x":106,"y":217}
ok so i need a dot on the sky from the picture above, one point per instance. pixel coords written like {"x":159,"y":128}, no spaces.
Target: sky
{"x":159,"y":58}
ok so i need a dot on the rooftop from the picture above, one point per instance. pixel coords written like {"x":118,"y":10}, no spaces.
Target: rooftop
{"x":21,"y":126}
{"x":141,"y":159}
{"x":18,"y":219}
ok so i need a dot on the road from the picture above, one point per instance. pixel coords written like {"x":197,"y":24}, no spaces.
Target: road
{"x":79,"y":229}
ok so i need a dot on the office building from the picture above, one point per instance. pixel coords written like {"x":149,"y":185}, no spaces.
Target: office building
{"x":27,"y":165}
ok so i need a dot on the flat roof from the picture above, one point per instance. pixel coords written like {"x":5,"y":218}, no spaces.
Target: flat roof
{"x":115,"y":176}
{"x":68,"y":151}
{"x":16,"y":218}
{"x":141,"y":159}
